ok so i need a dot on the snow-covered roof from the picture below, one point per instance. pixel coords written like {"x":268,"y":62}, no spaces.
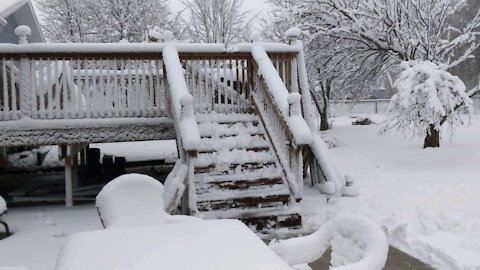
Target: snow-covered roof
{"x":8,"y":7}
{"x":20,"y":12}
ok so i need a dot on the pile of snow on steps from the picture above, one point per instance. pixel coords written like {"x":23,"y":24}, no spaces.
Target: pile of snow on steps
{"x":237,"y":175}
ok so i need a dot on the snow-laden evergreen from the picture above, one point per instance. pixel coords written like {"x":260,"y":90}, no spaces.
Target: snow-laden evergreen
{"x":427,"y":95}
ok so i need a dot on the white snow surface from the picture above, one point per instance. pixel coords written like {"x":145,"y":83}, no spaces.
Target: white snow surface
{"x":357,"y":243}
{"x":134,"y":200}
{"x":209,"y":245}
{"x":3,"y":205}
{"x":425,"y":199}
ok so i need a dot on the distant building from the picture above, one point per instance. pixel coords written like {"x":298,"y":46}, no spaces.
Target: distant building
{"x":18,"y":12}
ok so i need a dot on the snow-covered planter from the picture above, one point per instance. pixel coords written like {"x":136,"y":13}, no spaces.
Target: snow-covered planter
{"x":427,"y":97}
{"x":357,"y":243}
{"x":134,"y":200}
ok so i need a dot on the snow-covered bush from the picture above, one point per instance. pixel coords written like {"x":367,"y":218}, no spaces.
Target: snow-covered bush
{"x":134,"y":200}
{"x":427,"y":97}
{"x":357,"y":243}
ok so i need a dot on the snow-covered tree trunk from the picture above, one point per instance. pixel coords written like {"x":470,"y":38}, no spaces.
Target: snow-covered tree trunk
{"x":432,"y":139}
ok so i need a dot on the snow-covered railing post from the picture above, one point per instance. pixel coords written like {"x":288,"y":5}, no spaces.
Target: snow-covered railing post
{"x":299,"y":64}
{"x":23,"y":32}
{"x":295,"y":152}
{"x":188,"y":135}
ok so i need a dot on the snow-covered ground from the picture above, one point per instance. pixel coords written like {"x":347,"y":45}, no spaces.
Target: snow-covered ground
{"x":426,"y":200}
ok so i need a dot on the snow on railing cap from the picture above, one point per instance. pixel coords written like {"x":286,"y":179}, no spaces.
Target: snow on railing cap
{"x":255,"y":37}
{"x":124,"y":40}
{"x":22,"y":31}
{"x":167,"y":36}
{"x":294,"y":98}
{"x":293,"y":33}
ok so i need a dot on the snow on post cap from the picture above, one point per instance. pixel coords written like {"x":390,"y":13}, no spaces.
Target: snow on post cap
{"x":293,"y":33}
{"x":22,"y":32}
{"x":167,"y":36}
{"x":124,"y":41}
{"x":294,"y":98}
{"x":255,"y":37}
{"x":186,"y":100}
{"x":155,"y":34}
{"x":186,"y":103}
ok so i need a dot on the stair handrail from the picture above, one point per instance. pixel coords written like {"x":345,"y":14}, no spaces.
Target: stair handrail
{"x":287,"y":126}
{"x":188,"y":134}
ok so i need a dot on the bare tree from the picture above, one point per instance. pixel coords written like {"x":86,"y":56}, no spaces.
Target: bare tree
{"x":217,"y":21}
{"x":101,"y":20}
{"x":66,"y":20}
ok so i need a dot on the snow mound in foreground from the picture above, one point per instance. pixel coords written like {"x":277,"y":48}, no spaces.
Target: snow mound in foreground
{"x":357,"y":243}
{"x":134,"y":200}
{"x":3,"y":205}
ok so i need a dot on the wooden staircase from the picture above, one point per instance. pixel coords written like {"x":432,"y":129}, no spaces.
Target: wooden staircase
{"x":237,"y":175}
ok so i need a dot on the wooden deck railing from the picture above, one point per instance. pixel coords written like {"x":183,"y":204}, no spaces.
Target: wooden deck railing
{"x":218,"y":82}
{"x":64,"y":86}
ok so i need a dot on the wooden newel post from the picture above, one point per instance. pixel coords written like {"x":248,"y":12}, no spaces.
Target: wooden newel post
{"x":23,"y":32}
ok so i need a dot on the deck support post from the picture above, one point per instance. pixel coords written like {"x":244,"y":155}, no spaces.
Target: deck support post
{"x":68,"y":183}
{"x":69,"y":153}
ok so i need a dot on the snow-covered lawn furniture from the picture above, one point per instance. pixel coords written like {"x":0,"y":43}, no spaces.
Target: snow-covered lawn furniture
{"x":3,"y":211}
{"x":206,"y":245}
{"x":357,"y":244}
{"x":134,"y":200}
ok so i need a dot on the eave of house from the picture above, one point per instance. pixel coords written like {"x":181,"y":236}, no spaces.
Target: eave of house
{"x":24,"y":13}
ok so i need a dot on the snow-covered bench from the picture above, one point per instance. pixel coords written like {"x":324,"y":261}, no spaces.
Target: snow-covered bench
{"x":357,"y":244}
{"x":3,"y":211}
{"x":134,"y":200}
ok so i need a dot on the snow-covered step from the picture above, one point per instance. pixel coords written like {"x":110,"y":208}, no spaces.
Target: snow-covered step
{"x":236,"y":174}
{"x":239,"y":181}
{"x":216,"y":169}
{"x":227,"y":157}
{"x":225,"y":117}
{"x":261,"y":201}
{"x":215,"y":130}
{"x":261,"y":192}
{"x":241,"y":185}
{"x":287,"y":209}
{"x":242,"y":141}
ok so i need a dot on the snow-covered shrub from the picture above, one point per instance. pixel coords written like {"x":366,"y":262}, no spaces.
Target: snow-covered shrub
{"x":357,"y":243}
{"x":427,"y":97}
{"x":3,"y":205}
{"x":134,"y":200}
